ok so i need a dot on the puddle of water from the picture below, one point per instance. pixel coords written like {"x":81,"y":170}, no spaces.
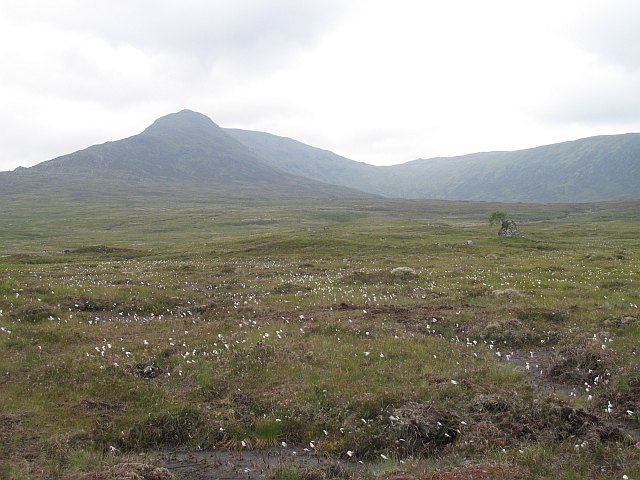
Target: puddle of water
{"x":246,"y":464}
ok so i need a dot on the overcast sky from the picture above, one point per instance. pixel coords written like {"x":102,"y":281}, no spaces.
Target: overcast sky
{"x":377,"y":81}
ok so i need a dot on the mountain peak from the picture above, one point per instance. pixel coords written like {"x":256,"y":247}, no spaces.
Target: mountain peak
{"x":184,"y":150}
{"x":184,"y":120}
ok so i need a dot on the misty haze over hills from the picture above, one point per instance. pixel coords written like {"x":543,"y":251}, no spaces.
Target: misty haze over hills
{"x":184,"y":152}
{"x":187,"y":150}
{"x":592,"y":169}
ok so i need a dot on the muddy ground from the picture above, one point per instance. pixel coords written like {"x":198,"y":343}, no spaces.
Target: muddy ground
{"x":249,"y":464}
{"x":261,"y":464}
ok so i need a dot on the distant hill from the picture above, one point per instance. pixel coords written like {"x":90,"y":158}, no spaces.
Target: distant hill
{"x":295,"y":157}
{"x":592,"y":169}
{"x":182,"y":151}
{"x":187,"y":153}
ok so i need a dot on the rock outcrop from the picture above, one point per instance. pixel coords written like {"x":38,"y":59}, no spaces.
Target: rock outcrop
{"x":509,"y":229}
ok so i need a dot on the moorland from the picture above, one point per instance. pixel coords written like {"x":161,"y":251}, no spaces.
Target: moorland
{"x":372,"y":338}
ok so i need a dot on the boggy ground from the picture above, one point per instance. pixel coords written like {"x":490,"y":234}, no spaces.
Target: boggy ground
{"x":218,"y":352}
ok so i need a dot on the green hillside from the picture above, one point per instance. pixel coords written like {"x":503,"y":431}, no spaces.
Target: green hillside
{"x":295,"y":157}
{"x":592,"y":169}
{"x":187,"y":153}
{"x":179,"y":153}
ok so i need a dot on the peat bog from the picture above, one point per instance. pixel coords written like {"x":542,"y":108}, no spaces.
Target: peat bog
{"x":270,"y":339}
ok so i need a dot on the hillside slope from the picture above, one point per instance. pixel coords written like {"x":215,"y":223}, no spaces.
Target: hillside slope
{"x":592,"y":169}
{"x":295,"y":157}
{"x":186,"y":152}
{"x":180,"y":152}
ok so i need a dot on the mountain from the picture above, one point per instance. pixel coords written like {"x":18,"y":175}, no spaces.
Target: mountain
{"x":295,"y":157}
{"x":187,"y":153}
{"x":592,"y":169}
{"x":184,"y":150}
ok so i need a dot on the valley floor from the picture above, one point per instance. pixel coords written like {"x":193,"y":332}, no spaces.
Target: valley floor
{"x":396,"y":340}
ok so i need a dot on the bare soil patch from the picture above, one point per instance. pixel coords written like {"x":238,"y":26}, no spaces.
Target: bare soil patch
{"x":539,"y":365}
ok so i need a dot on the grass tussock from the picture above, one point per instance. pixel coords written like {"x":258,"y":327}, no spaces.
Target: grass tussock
{"x":500,"y":358}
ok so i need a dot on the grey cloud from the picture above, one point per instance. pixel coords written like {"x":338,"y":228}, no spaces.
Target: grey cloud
{"x":188,"y":46}
{"x":614,"y":105}
{"x":19,"y":147}
{"x":190,"y":53}
{"x":209,"y":30}
{"x":613,"y":33}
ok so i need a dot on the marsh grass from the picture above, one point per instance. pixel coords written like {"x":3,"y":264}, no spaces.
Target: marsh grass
{"x":180,"y":331}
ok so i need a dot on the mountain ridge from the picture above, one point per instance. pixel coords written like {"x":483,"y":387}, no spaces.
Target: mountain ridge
{"x":596,"y":168}
{"x":187,"y":151}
